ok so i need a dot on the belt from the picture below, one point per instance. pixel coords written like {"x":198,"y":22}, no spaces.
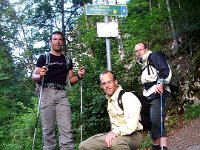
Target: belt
{"x":54,"y":86}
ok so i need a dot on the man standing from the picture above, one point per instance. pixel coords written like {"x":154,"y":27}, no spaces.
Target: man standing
{"x":55,"y":107}
{"x":155,"y":77}
{"x":125,"y":125}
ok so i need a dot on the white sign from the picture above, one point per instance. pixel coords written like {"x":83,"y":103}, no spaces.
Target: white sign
{"x":107,"y":29}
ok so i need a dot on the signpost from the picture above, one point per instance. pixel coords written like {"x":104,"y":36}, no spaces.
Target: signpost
{"x":109,"y":10}
{"x":109,"y":29}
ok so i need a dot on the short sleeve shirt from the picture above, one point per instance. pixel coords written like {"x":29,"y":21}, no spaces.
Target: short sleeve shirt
{"x":57,"y":68}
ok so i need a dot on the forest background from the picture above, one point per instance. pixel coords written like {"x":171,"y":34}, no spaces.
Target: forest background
{"x":25,"y":26}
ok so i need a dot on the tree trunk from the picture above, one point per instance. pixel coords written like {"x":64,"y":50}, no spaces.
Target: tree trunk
{"x":174,"y":47}
{"x":158,"y":4}
{"x":63,"y":25}
{"x":150,"y":6}
{"x":179,"y":4}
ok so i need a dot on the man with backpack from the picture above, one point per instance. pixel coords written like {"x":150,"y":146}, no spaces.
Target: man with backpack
{"x":125,"y":125}
{"x":55,"y":107}
{"x":156,"y":75}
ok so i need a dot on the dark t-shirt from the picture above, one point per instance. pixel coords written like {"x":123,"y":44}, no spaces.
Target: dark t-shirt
{"x":57,"y":68}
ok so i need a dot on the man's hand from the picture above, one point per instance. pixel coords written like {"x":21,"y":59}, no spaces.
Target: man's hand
{"x":109,"y":137}
{"x":43,"y":71}
{"x":81,"y":72}
{"x":159,"y":88}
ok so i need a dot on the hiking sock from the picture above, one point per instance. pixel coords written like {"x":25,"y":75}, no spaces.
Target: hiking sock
{"x":155,"y":147}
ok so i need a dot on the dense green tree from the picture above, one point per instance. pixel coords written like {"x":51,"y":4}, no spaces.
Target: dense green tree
{"x":15,"y":89}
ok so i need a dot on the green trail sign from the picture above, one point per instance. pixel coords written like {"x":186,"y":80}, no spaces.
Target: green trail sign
{"x":110,"y":10}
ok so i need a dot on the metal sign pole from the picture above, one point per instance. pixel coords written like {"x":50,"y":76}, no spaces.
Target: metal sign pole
{"x":108,"y":53}
{"x":108,"y":49}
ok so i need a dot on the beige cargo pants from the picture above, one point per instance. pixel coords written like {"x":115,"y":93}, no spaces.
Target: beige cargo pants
{"x":55,"y":110}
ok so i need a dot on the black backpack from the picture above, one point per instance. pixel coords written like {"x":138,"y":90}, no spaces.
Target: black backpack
{"x":145,"y":111}
{"x":174,"y":83}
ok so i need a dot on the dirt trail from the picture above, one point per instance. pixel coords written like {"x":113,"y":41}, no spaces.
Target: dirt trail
{"x":187,"y":137}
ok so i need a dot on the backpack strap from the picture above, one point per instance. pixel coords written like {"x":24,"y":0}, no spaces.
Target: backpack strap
{"x":149,"y":64}
{"x":119,"y":99}
{"x":69,"y":63}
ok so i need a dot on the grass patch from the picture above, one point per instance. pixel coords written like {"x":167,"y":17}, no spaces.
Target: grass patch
{"x":146,"y":142}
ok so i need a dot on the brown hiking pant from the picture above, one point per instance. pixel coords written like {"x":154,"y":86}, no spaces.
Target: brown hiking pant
{"x":97,"y":142}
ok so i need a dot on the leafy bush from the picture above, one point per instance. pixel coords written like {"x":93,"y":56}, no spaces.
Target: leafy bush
{"x":19,"y":133}
{"x":192,"y":111}
{"x":146,"y":142}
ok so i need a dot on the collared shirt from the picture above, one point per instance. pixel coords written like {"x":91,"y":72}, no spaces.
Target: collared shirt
{"x":124,"y":122}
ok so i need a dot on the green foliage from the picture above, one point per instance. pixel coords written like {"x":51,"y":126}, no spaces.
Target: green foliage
{"x":192,"y":111}
{"x":146,"y":142}
{"x":143,"y":24}
{"x":20,"y":129}
{"x":6,"y":111}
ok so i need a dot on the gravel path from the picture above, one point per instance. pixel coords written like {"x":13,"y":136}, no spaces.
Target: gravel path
{"x":187,"y":138}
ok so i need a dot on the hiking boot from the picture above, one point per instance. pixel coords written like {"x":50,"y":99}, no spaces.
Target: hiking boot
{"x":164,"y":148}
{"x":155,"y":147}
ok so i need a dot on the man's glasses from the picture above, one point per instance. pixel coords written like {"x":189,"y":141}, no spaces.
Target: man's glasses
{"x":108,"y":82}
{"x":138,"y":50}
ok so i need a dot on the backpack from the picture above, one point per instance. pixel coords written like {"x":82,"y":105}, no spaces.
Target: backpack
{"x":145,"y":110}
{"x":174,"y":82}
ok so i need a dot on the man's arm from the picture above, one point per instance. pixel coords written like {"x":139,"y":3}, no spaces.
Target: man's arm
{"x":75,"y":78}
{"x":40,"y":69}
{"x":160,"y":63}
{"x":38,"y":73}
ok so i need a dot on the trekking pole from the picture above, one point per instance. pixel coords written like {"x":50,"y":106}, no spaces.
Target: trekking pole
{"x":161,"y":118}
{"x":37,"y":115}
{"x":81,"y":109}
